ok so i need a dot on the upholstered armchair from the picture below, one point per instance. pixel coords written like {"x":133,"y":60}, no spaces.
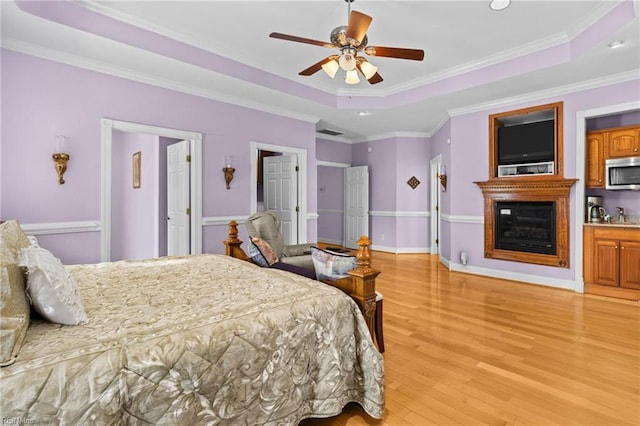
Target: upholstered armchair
{"x":266,"y":226}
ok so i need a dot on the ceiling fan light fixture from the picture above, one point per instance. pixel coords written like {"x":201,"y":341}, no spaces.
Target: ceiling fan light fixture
{"x":347,"y":60}
{"x":352,"y":77}
{"x":331,"y":68}
{"x":368,"y":69}
{"x":499,"y":4}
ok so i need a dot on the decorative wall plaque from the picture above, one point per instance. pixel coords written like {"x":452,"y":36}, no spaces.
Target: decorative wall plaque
{"x":413,"y":182}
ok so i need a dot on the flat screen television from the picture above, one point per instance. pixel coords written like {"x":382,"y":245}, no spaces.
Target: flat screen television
{"x":526,"y":143}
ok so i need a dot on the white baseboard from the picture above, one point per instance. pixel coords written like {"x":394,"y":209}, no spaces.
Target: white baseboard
{"x":515,"y":276}
{"x":400,"y":250}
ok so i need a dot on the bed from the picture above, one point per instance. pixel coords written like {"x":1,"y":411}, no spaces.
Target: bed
{"x":203,"y":339}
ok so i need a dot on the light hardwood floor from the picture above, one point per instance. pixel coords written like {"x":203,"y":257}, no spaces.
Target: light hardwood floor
{"x":466,"y":349}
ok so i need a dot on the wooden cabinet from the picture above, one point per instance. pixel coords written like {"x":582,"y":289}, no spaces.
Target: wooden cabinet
{"x":624,"y":143}
{"x":595,"y":159}
{"x":630,"y":264}
{"x":608,"y":143}
{"x":612,"y":261}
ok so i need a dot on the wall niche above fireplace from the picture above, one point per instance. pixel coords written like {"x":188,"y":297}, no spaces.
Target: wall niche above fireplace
{"x":526,"y":143}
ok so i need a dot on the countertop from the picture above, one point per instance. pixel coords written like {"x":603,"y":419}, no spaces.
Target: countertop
{"x":633,"y":224}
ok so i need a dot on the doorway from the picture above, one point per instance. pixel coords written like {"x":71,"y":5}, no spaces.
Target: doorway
{"x":108,"y":126}
{"x":301,"y":217}
{"x":581,"y":136}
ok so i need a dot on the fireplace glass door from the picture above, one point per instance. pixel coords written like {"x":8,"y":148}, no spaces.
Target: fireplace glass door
{"x":527,"y":226}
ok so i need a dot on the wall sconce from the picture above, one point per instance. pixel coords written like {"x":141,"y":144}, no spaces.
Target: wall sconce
{"x":228,"y":170}
{"x":60,"y":158}
{"x":442,"y":175}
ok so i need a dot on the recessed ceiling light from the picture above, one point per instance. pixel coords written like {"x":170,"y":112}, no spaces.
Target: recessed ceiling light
{"x":616,"y":44}
{"x":499,"y":4}
{"x":363,"y":113}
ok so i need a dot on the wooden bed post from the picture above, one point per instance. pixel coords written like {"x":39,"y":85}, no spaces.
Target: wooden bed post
{"x":360,"y":285}
{"x":232,"y":244}
{"x":364,"y":282}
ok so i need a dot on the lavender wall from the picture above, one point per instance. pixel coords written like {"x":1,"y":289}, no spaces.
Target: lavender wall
{"x":331,"y":204}
{"x":336,"y":152}
{"x":399,"y":214}
{"x":43,"y":98}
{"x":616,"y":120}
{"x":134,"y":211}
{"x":469,"y":163}
{"x":412,"y":205}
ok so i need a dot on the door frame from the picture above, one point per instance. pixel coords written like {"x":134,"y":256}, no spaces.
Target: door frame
{"x":106,"y":146}
{"x":301,"y":182}
{"x":436,"y":200}
{"x":581,"y":137}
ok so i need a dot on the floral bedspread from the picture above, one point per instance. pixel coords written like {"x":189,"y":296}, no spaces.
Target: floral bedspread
{"x":204,"y":339}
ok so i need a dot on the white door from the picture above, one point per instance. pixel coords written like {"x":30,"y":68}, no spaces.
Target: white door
{"x":280,"y":191}
{"x":178,"y":201}
{"x":356,"y":204}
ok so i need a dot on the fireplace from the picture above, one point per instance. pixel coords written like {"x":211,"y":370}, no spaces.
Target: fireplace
{"x":526,"y":226}
{"x":527,"y":219}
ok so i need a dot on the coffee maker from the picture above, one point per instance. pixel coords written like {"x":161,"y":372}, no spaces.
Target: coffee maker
{"x":594,"y":211}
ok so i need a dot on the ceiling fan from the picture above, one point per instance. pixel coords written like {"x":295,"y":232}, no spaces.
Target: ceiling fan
{"x":351,"y":40}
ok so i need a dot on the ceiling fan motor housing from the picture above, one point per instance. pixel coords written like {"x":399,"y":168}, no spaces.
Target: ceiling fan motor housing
{"x":339,"y":38}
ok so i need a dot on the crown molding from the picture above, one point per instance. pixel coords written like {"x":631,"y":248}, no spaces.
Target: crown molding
{"x":391,"y":135}
{"x":331,"y":138}
{"x":81,"y":62}
{"x":549,"y":93}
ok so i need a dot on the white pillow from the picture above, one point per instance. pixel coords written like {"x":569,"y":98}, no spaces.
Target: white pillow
{"x":52,"y":290}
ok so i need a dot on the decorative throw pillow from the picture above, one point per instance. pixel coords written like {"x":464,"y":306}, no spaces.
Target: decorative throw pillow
{"x":261,"y":252}
{"x":331,"y":266}
{"x":52,"y":290}
{"x":14,"y":306}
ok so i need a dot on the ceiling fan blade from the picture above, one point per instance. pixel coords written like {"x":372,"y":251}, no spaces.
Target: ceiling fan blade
{"x":358,"y":25}
{"x":300,"y":39}
{"x":395,"y":52}
{"x":377,"y":78}
{"x":317,"y":66}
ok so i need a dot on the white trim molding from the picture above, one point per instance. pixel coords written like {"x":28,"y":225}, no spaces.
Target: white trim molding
{"x":461,"y":218}
{"x":400,"y":250}
{"x":223,"y":220}
{"x":596,"y":83}
{"x":384,"y":213}
{"x":581,"y":136}
{"x":106,"y":150}
{"x":61,"y":227}
{"x":332,"y":164}
{"x":514,"y":276}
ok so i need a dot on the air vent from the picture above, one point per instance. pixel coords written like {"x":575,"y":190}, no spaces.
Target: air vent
{"x":330,"y":132}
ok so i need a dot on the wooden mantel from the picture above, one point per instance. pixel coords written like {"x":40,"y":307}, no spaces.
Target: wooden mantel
{"x":555,"y":189}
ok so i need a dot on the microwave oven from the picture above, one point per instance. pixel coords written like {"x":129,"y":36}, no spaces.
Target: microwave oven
{"x":622,"y":173}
